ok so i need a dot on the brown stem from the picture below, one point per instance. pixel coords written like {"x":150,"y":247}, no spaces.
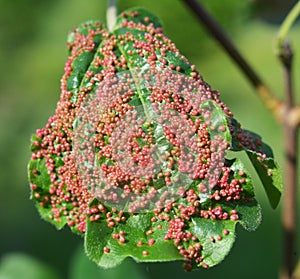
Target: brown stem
{"x":289,"y":201}
{"x":218,"y":33}
{"x":289,"y":217}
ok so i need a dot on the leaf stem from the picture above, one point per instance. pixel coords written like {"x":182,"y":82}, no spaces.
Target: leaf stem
{"x":287,"y":24}
{"x":111,"y":14}
{"x":263,"y":91}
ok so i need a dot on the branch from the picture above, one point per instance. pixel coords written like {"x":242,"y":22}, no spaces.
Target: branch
{"x":263,"y":91}
{"x":289,"y":210}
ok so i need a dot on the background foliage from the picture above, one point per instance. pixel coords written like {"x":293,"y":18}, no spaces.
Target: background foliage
{"x":32,"y":56}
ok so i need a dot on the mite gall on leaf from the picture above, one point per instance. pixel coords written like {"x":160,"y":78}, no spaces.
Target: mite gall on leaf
{"x":136,"y":151}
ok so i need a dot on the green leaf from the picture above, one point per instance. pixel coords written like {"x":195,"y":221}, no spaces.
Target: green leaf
{"x":216,"y":238}
{"x":98,"y":236}
{"x":270,"y":176}
{"x":249,"y":210}
{"x":262,"y":159}
{"x":38,"y":174}
{"x":80,"y":56}
{"x":249,"y":215}
{"x":237,"y":166}
{"x":143,"y":16}
{"x":80,"y":66}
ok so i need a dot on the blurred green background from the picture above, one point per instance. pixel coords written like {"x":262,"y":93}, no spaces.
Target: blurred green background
{"x":32,"y":56}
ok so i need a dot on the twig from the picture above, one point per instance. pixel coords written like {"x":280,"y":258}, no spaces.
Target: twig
{"x":289,"y":214}
{"x":283,"y":51}
{"x":264,"y":92}
{"x":289,"y":218}
{"x":287,"y":24}
{"x":111,"y":14}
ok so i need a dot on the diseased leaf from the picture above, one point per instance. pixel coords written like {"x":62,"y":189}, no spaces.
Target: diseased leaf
{"x":134,"y":158}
